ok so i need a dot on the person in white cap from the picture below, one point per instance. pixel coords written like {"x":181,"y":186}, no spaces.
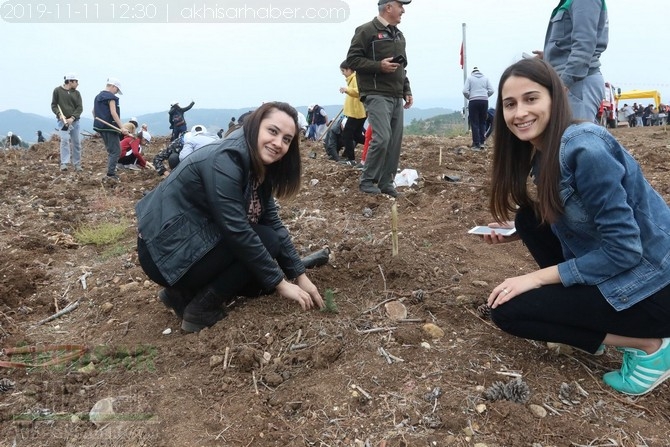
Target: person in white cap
{"x":195,"y":139}
{"x":132,"y":149}
{"x":66,"y":104}
{"x":377,"y":54}
{"x":477,"y":90}
{"x":12,"y":140}
{"x":177,"y":120}
{"x":107,"y":122}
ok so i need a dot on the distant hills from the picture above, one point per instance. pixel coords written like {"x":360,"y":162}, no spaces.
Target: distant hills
{"x":27,"y":124}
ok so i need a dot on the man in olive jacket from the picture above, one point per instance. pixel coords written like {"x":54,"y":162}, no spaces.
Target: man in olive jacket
{"x":377,"y":54}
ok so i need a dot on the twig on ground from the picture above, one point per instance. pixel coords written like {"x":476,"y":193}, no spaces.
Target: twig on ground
{"x":553,"y":410}
{"x":69,"y":308}
{"x":225,"y":357}
{"x":377,"y":329}
{"x":385,"y":355}
{"x":510,"y":374}
{"x":382,"y":272}
{"x":295,"y":347}
{"x":363,"y":392}
{"x":376,"y":306}
{"x":488,"y":323}
{"x":390,"y":358}
{"x":82,"y":279}
{"x":253,"y":376}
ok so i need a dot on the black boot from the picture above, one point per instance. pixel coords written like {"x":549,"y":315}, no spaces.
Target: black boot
{"x":203,"y":311}
{"x":317,"y":258}
{"x":175,"y":299}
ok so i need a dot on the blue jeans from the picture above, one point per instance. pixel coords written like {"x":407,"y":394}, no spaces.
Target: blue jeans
{"x":113,"y":146}
{"x":178,"y":130}
{"x":69,"y":139}
{"x":585,"y":96}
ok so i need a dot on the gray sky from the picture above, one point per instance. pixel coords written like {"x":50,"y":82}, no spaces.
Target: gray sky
{"x":237,"y":65}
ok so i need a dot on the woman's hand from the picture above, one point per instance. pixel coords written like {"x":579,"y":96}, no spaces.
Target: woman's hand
{"x":512,"y":287}
{"x":494,"y":238}
{"x":304,"y":292}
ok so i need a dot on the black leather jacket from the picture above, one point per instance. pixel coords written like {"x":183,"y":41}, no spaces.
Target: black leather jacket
{"x":203,"y":203}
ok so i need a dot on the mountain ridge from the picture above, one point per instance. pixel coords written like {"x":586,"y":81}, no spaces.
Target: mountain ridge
{"x":26,"y":124}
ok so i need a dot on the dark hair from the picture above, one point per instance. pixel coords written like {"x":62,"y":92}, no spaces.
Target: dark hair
{"x":346,"y":65}
{"x":284,"y":174}
{"x":513,"y":158}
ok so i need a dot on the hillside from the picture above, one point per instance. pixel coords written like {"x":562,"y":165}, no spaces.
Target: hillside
{"x":27,"y":124}
{"x":447,"y":124}
{"x":270,"y":374}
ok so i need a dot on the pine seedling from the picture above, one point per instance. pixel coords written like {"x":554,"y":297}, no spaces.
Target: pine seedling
{"x":329,"y":302}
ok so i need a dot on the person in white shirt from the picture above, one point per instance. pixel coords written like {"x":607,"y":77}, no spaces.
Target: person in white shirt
{"x":195,"y":139}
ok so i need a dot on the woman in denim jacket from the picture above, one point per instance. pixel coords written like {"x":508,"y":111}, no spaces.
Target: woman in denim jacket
{"x":598,"y":231}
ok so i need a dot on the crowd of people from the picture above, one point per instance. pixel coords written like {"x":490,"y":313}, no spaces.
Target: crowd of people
{"x":598,"y":231}
{"x":638,"y":115}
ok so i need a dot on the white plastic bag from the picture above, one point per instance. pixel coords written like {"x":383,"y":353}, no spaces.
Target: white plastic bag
{"x":406,"y":177}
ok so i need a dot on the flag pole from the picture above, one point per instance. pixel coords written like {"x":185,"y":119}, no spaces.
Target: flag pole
{"x":465,"y":77}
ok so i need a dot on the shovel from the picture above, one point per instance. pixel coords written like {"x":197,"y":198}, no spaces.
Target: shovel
{"x":66,"y":126}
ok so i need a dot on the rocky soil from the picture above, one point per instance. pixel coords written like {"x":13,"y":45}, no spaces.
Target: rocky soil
{"x":270,"y":374}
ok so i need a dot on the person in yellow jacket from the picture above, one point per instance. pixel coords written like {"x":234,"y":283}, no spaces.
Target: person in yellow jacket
{"x":354,"y":111}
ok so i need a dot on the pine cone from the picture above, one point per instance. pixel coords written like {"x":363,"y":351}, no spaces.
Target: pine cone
{"x":516,"y":391}
{"x":484,"y":311}
{"x":495,"y":392}
{"x":6,"y":385}
{"x":417,"y":296}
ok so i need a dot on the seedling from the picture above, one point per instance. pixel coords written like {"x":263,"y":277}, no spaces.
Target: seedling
{"x":329,"y":302}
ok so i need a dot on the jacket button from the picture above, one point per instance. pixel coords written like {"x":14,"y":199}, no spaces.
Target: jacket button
{"x":624,"y":299}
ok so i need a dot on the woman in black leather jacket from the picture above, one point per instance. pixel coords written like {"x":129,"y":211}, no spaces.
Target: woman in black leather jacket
{"x":210,"y":231}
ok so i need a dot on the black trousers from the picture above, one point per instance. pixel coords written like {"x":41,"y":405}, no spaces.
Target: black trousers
{"x":577,"y":315}
{"x":352,"y":134}
{"x":218,"y":269}
{"x":478,"y":111}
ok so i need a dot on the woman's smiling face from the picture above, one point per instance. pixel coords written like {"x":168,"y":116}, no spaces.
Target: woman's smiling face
{"x":526,"y":108}
{"x":275,"y":134}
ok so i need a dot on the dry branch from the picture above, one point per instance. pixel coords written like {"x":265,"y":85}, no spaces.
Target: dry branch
{"x":69,"y":308}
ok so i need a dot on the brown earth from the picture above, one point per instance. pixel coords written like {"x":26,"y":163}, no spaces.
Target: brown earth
{"x":269,"y":374}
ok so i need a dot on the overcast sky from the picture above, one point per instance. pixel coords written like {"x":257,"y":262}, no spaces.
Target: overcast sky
{"x":239,"y":65}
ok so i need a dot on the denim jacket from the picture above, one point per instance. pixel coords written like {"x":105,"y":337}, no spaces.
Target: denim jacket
{"x":615,"y":231}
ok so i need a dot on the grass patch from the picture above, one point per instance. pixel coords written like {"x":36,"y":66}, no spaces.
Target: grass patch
{"x":105,"y":233}
{"x":116,"y":250}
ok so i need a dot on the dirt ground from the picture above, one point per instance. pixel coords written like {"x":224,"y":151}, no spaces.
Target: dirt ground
{"x":270,"y":374}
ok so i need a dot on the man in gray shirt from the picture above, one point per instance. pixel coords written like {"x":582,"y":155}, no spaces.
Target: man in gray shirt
{"x":577,"y":35}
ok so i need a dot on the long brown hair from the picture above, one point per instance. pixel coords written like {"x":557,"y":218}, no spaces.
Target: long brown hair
{"x":284,"y":174}
{"x":513,"y":158}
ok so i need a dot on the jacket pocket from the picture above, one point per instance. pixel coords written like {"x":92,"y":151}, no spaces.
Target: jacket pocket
{"x":559,"y":26}
{"x":173,"y":234}
{"x":573,"y":208}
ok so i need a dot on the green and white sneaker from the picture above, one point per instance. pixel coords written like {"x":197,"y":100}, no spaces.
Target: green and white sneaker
{"x":640,"y":372}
